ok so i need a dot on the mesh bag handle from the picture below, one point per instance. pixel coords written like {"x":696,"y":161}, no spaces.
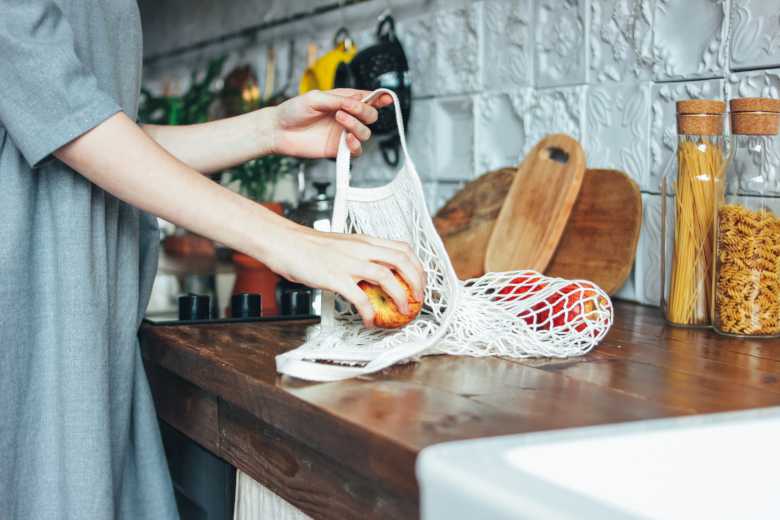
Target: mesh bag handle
{"x":344,"y":160}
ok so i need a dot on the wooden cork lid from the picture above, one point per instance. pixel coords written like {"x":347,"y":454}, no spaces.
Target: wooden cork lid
{"x":755,"y":104}
{"x":755,"y":116}
{"x":700,"y":116}
{"x":701,"y":106}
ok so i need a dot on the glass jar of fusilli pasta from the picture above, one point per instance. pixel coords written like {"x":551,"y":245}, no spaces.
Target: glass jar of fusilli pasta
{"x":690,"y":188}
{"x":747,"y":274}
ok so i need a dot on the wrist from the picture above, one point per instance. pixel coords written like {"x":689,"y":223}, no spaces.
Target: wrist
{"x":266,"y":131}
{"x":274,"y":245}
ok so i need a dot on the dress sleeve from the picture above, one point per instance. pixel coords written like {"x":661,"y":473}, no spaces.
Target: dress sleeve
{"x":48,"y":97}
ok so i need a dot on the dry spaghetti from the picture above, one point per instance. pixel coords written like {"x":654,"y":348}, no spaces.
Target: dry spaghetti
{"x":748,"y":284}
{"x":698,"y":191}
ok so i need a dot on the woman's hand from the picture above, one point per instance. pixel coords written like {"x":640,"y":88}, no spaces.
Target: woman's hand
{"x":310,"y":125}
{"x":337,"y":262}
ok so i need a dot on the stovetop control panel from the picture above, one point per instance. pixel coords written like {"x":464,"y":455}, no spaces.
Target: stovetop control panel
{"x":195,"y":309}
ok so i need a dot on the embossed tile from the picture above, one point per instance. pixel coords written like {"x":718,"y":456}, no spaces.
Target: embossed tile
{"x":458,"y":50}
{"x":755,"y":33}
{"x":554,"y":111}
{"x":500,"y":131}
{"x":444,"y":192}
{"x":663,"y":129}
{"x":453,"y":144}
{"x":620,"y":40}
{"x":560,"y":42}
{"x":758,"y":83}
{"x":416,"y":35}
{"x":507,"y":34}
{"x":648,"y":258}
{"x":690,"y":38}
{"x":618,"y":128}
{"x":628,"y":291}
{"x":420,"y":137}
{"x":430,"y":189}
{"x":373,"y":168}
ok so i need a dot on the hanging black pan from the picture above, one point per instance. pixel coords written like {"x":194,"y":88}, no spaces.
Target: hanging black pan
{"x":382,"y":65}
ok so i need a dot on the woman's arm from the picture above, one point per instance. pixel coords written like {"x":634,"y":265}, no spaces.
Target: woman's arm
{"x":218,"y":145}
{"x":120,"y":158}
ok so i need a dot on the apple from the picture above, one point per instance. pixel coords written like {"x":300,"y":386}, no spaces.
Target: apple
{"x":386,"y":313}
{"x":563,"y":307}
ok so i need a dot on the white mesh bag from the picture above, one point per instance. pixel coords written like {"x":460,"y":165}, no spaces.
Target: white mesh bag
{"x":517,"y":313}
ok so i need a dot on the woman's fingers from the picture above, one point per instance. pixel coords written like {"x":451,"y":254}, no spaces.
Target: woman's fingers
{"x":362,"y":111}
{"x":383,"y":277}
{"x":353,"y":143}
{"x":359,"y":299}
{"x":353,"y":125}
{"x":324,"y":101}
{"x":405,"y":267}
{"x":400,"y":255}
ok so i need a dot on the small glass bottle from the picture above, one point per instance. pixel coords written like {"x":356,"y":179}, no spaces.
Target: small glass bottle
{"x":690,"y":194}
{"x":747,"y":282}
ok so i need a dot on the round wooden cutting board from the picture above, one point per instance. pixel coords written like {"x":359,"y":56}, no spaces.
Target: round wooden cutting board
{"x":600,"y":238}
{"x":466,"y":220}
{"x":537,"y":206}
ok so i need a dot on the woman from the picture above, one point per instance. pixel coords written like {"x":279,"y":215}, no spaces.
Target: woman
{"x":78,"y":435}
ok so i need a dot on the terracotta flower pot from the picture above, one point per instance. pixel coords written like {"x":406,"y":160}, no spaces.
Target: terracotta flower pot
{"x":253,"y":276}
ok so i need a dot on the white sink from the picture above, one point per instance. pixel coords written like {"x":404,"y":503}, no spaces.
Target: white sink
{"x":706,"y":466}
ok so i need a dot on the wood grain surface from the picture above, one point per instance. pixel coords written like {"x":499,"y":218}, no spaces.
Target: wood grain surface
{"x":600,"y":238}
{"x":370,"y":430}
{"x":537,"y":207}
{"x":466,"y":221}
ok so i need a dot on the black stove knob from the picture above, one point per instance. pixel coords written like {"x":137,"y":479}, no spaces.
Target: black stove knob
{"x":246,"y":305}
{"x":194,"y":307}
{"x":296,"y":301}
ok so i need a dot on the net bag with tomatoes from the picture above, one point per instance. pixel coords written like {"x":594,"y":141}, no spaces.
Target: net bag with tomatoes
{"x":515,"y":314}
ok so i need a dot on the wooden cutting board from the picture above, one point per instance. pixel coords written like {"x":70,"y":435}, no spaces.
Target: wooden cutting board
{"x":600,"y":238}
{"x":537,"y":207}
{"x":466,"y":220}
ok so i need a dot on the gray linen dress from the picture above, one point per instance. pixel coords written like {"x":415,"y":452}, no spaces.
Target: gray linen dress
{"x":78,"y":434}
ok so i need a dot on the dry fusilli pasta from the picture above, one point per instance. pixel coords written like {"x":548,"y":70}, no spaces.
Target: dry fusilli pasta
{"x":748,"y":285}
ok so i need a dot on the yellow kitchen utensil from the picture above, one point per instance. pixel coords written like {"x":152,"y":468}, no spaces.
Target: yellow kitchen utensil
{"x":320,"y":75}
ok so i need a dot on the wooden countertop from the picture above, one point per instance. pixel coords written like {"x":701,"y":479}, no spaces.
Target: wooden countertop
{"x":347,"y":449}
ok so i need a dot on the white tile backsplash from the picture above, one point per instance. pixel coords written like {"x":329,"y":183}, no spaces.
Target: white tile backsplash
{"x":444,"y":192}
{"x":500,"y":129}
{"x":755,"y":34}
{"x":690,"y":39}
{"x":618,"y":128}
{"x":648,"y":259}
{"x":492,"y":77}
{"x":754,"y":83}
{"x":508,"y":33}
{"x":554,"y":111}
{"x":620,"y":41}
{"x":454,"y":143}
{"x":417,"y":37}
{"x":458,"y":50}
{"x":560,"y":42}
{"x":628,"y":291}
{"x":421,"y":137}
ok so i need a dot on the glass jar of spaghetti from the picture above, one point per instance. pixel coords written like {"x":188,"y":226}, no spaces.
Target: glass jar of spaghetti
{"x":690,"y":194}
{"x":747,"y":274}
